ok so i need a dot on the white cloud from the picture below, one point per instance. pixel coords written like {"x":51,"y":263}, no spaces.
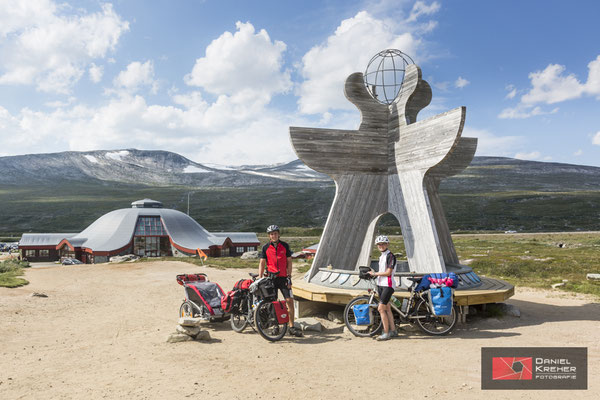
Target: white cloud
{"x":596,"y":139}
{"x":578,"y":153}
{"x":533,"y":155}
{"x":489,"y":144}
{"x":244,"y":60}
{"x":461,"y":82}
{"x":524,"y":111}
{"x":420,"y":8}
{"x":137,"y":75}
{"x":552,"y":85}
{"x":326,"y":66}
{"x":96,"y":72}
{"x":41,"y":45}
{"x":512,"y":92}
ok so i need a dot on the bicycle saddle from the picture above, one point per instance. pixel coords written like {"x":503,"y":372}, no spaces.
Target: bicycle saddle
{"x":252,"y":275}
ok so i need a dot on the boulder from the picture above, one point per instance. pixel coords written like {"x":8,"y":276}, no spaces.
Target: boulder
{"x":336,"y":316}
{"x":249,"y":255}
{"x":203,"y":335}
{"x":189,"y":330}
{"x":125,"y":258}
{"x":593,"y":277}
{"x":179,"y":337}
{"x":187,"y":321}
{"x":557,"y":285}
{"x":308,"y":324}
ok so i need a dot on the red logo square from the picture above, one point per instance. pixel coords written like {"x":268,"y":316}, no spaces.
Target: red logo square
{"x":512,"y":368}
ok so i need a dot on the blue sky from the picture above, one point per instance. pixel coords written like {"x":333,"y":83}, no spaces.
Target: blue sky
{"x":221,"y":81}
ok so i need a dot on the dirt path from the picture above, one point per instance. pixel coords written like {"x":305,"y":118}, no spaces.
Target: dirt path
{"x":101,"y":334}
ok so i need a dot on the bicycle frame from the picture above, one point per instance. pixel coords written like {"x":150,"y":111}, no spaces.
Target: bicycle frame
{"x":412,"y":302}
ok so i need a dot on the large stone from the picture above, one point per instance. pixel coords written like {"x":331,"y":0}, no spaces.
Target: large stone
{"x":188,"y":330}
{"x":187,"y":321}
{"x":336,"y":316}
{"x":179,"y":337}
{"x":593,"y":277}
{"x":307,"y":308}
{"x":249,"y":255}
{"x":308,"y":324}
{"x":203,"y":335}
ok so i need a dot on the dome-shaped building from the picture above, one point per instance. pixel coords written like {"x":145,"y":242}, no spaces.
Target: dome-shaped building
{"x":146,"y":229}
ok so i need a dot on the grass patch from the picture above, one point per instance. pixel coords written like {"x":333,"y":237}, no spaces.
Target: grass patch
{"x":10,"y":272}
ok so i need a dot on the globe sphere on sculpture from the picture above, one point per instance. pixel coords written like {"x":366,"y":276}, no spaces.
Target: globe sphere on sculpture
{"x":385,"y":73}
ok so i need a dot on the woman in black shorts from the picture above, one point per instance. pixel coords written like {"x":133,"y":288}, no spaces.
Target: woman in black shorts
{"x":385,"y":287}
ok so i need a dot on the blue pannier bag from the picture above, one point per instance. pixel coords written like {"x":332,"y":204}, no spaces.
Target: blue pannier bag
{"x":362,"y":314}
{"x":441,"y":300}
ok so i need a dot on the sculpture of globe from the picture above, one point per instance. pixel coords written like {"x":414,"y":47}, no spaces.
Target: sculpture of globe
{"x":385,"y":73}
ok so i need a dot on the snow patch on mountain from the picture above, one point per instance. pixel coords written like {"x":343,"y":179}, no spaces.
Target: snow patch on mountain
{"x":117,"y":155}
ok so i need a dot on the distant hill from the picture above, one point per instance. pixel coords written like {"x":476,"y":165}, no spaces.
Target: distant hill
{"x":67,"y":191}
{"x":155,"y":168}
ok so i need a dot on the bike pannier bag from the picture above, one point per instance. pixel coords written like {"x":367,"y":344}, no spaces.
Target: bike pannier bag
{"x":281,"y":311}
{"x":231,"y":301}
{"x":363,"y":314}
{"x":267,"y":289}
{"x":243,"y":284}
{"x":441,"y":300}
{"x":363,"y":273}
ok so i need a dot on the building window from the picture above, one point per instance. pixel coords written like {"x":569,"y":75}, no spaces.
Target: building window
{"x":251,"y":248}
{"x":239,"y":249}
{"x":149,"y":226}
{"x":44,"y":253}
{"x":29,"y":253}
{"x":224,"y":251}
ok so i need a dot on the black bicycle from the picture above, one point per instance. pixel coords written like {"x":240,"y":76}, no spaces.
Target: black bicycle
{"x":415,"y":309}
{"x":257,"y":310}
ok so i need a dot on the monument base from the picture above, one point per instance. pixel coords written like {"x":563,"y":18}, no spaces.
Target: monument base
{"x":340,"y":286}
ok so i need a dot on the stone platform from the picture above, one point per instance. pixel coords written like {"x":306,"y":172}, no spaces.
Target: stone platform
{"x":339,"y":287}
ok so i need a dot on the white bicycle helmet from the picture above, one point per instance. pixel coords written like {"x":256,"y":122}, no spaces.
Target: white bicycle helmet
{"x":272,"y":228}
{"x":382,"y":239}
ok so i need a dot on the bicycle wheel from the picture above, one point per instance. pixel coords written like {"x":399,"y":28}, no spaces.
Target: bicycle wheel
{"x":186,"y":310}
{"x":432,"y":324}
{"x":362,"y":330}
{"x":266,"y":322}
{"x":239,"y":322}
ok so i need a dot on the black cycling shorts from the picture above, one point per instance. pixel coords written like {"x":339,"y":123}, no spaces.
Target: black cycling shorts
{"x":281,"y":283}
{"x":385,"y":294}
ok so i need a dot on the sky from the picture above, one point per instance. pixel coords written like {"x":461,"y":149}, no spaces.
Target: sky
{"x":222,"y":81}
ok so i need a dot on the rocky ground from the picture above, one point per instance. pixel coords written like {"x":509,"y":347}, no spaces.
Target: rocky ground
{"x":102,"y":332}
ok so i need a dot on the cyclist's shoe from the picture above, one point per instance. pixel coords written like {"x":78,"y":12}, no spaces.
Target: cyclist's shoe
{"x":295,"y":332}
{"x":394,"y":333}
{"x":384,"y":336}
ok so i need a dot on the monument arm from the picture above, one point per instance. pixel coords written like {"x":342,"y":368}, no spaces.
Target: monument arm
{"x":457,"y":161}
{"x":426,"y":143}
{"x":335,"y":151}
{"x":373,"y":114}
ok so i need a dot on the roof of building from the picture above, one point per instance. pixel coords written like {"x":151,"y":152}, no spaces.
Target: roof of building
{"x":44,"y":239}
{"x":238,"y":237}
{"x":116,"y":229}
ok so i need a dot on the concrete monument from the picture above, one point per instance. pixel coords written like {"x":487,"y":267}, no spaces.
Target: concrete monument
{"x":391,"y":164}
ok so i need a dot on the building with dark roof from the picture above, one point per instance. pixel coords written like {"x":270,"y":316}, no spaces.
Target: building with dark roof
{"x":146,"y":229}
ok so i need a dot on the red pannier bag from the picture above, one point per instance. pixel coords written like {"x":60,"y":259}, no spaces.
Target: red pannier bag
{"x":230,"y":301}
{"x":243,"y":284}
{"x":281,"y":311}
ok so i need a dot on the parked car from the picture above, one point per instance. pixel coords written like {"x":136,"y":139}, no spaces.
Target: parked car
{"x":71,"y":261}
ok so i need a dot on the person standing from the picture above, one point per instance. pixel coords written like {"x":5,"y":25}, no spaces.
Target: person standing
{"x":385,"y":286}
{"x":276,"y":256}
